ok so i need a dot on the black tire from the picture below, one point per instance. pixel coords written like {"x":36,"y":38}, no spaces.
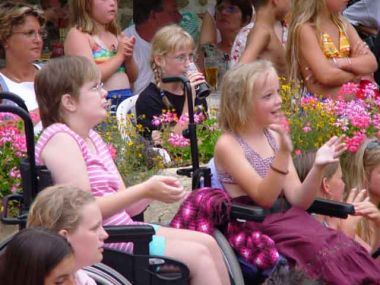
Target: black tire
{"x":230,"y":259}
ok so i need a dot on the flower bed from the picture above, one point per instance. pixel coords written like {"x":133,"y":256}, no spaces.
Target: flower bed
{"x":355,"y":114}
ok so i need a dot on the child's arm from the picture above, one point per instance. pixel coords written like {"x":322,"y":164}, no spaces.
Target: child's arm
{"x":64,"y":159}
{"x":257,"y":41}
{"x":322,"y":70}
{"x":78,"y":43}
{"x":230,"y":158}
{"x":208,"y":30}
{"x":129,"y":63}
{"x":361,"y":61}
{"x":303,"y":195}
{"x":369,"y":211}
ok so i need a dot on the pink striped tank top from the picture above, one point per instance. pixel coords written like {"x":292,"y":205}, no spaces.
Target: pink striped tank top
{"x":102,"y":172}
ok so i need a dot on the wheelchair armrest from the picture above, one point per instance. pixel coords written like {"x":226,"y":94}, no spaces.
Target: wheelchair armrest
{"x":140,"y":235}
{"x":248,"y":213}
{"x":331,"y":208}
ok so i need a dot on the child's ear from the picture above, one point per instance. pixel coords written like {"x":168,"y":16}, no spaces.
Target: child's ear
{"x":325,"y":187}
{"x":63,"y":233}
{"x":159,"y":60}
{"x":68,"y":102}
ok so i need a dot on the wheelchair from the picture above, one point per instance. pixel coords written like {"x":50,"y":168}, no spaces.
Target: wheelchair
{"x":117,"y":267}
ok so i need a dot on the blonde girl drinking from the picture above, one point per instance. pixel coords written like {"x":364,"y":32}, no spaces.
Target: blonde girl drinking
{"x":172,"y":54}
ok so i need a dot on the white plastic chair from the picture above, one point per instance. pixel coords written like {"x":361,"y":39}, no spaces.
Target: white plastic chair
{"x":126,"y":115}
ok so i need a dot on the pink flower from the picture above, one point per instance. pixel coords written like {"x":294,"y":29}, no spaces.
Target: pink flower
{"x":178,"y":140}
{"x":298,"y":152}
{"x":349,"y":88}
{"x":112,"y":151}
{"x":183,"y":120}
{"x":199,"y":117}
{"x":306,"y":128}
{"x":353,"y":143}
{"x":156,"y":121}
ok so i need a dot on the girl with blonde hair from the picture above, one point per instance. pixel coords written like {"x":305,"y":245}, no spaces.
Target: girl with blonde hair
{"x":323,"y":50}
{"x":361,"y":171}
{"x":72,"y":103}
{"x":96,"y":35}
{"x":261,"y":172}
{"x":172,"y":53}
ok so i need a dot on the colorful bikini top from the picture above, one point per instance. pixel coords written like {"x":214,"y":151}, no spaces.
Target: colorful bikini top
{"x":101,"y":54}
{"x":330,"y":50}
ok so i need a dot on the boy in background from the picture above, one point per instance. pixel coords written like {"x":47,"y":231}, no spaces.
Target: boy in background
{"x":263,"y":41}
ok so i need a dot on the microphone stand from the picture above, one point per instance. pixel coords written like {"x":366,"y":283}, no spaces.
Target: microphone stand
{"x":201,"y":176}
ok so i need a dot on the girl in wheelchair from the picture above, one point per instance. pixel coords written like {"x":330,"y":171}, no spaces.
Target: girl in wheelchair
{"x":37,"y":256}
{"x":72,"y":102}
{"x":253,"y":161}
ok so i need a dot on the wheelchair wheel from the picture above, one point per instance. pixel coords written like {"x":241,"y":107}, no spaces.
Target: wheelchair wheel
{"x":230,"y":259}
{"x":105,"y":275}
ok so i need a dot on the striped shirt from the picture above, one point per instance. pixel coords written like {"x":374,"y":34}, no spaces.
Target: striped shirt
{"x":102,"y":172}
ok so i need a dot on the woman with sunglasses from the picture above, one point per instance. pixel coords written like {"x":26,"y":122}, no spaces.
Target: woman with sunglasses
{"x":361,"y":170}
{"x":21,"y":42}
{"x":172,"y":54}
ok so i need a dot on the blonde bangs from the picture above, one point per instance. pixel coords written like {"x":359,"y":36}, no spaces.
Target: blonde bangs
{"x":236,"y":94}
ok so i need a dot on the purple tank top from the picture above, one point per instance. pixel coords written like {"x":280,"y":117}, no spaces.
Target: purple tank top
{"x":261,"y":165}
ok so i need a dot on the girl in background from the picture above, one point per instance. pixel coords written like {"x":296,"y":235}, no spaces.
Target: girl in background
{"x":361,"y":170}
{"x":332,"y":188}
{"x":323,"y":49}
{"x":37,"y":256}
{"x":261,"y":172}
{"x":96,"y":35}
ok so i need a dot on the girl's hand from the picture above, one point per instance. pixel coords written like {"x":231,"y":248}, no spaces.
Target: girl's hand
{"x":361,"y":48}
{"x":285,"y":143}
{"x":355,"y":196}
{"x":330,"y":151}
{"x":368,"y":210}
{"x":165,"y":189}
{"x":126,"y":46}
{"x":195,"y":79}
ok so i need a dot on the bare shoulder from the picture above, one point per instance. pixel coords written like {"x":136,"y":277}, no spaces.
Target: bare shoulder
{"x":60,"y":142}
{"x":75,"y":32}
{"x":225,"y":144}
{"x":306,"y":29}
{"x":74,"y":35}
